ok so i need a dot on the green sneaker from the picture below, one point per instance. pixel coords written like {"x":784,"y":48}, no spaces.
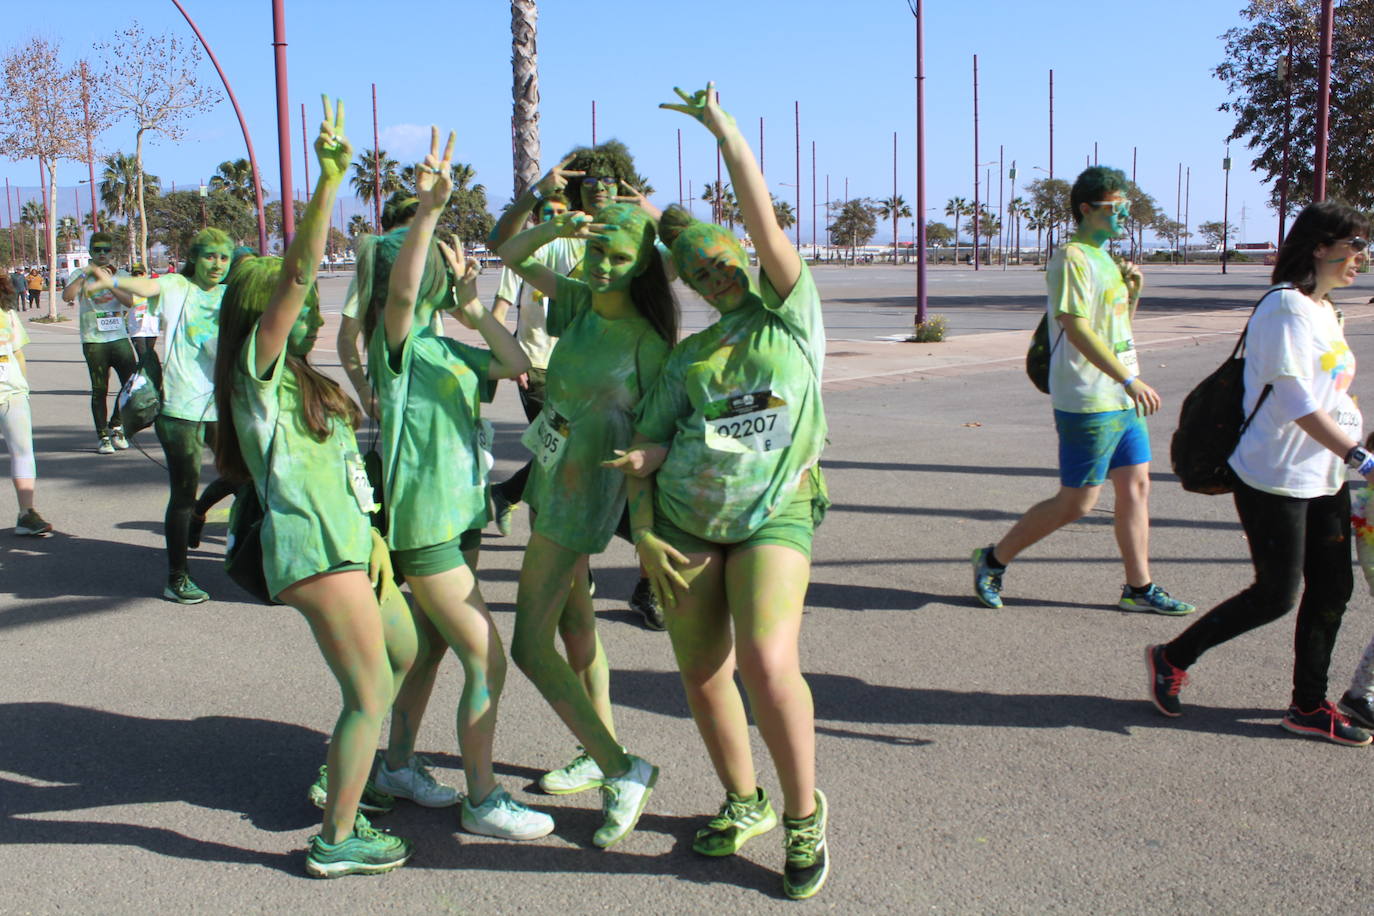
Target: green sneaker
{"x":367,"y":852}
{"x":181,"y":589}
{"x":741,"y":819}
{"x":623,"y":799}
{"x":808,"y":864}
{"x":374,"y":800}
{"x":578,"y":776}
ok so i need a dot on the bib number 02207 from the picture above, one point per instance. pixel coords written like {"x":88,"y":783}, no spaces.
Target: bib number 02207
{"x":755,"y":422}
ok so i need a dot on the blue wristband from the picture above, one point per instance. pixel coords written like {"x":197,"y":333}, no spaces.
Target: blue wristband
{"x":1126,"y":383}
{"x":114,"y":284}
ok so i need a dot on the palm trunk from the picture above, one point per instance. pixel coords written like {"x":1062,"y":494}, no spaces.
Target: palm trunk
{"x":956,"y":238}
{"x":51,"y":205}
{"x":524,"y":60}
{"x":142,"y":213}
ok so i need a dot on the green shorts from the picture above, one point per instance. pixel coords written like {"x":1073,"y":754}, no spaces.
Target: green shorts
{"x":436,"y":558}
{"x":791,"y":526}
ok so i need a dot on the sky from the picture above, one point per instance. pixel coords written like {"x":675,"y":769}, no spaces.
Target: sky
{"x":1130,"y":78}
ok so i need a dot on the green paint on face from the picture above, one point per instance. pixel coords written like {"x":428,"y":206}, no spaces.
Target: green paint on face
{"x":303,"y":333}
{"x":618,"y":255}
{"x":551,"y":208}
{"x":598,"y":191}
{"x":211,"y":265}
{"x":712,"y":262}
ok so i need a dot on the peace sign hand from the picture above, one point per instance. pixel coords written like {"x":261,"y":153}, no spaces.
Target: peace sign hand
{"x":556,"y":178}
{"x":332,"y":148}
{"x":634,"y":195}
{"x":577,"y":225}
{"x":434,"y":177}
{"x":704,"y":105}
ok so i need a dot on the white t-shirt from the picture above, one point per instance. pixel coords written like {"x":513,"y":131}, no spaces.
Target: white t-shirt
{"x":13,"y":338}
{"x":142,"y":323}
{"x":560,"y":256}
{"x":1294,"y":337}
{"x":1083,"y":280}
{"x":351,"y":309}
{"x":100,"y":314}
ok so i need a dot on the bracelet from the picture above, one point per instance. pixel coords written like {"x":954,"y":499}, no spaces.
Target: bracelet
{"x":115,"y":283}
{"x":1359,"y":460}
{"x":1126,"y":382}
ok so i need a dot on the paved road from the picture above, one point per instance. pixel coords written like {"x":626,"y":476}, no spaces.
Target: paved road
{"x":153,"y":757}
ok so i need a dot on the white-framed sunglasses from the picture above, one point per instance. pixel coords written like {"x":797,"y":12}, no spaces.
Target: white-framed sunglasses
{"x":1119,"y":207}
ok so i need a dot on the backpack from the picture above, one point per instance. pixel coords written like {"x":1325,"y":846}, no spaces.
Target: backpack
{"x":1210,"y":425}
{"x":1039,"y":354}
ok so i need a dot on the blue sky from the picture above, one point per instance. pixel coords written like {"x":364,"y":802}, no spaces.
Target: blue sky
{"x":1124,"y":78}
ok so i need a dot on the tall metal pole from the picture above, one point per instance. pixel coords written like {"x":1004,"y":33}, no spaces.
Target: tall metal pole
{"x":1178,"y":210}
{"x":76,"y":196}
{"x":796,"y":120}
{"x":1286,"y":66}
{"x":827,"y":218}
{"x":1016,"y":216}
{"x":9,"y":218}
{"x":1049,"y":232}
{"x":1133,"y":221}
{"x":1187,"y":205}
{"x":1001,"y":222}
{"x":718,"y":198}
{"x":305,"y":153}
{"x":90,"y":149}
{"x":761,"y":171}
{"x":376,"y":167}
{"x":1323,"y":101}
{"x":920,"y":168}
{"x":593,"y":122}
{"x":288,"y":209}
{"x":813,"y":198}
{"x":679,"y":167}
{"x":1225,"y":204}
{"x":975,"y":162}
{"x":894,"y":198}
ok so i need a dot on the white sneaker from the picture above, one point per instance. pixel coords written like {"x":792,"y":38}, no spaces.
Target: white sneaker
{"x":415,"y":782}
{"x":504,"y":817}
{"x":117,"y":437}
{"x":106,"y":446}
{"x":578,"y":776}
{"x":623,"y":799}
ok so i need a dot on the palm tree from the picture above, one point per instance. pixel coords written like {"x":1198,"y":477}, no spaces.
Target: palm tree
{"x":1039,"y":221}
{"x":724,"y":206}
{"x":784,"y":213}
{"x":894,"y":208}
{"x":68,"y":231}
{"x":524,"y":61}
{"x":957,"y":207}
{"x":32,"y":214}
{"x":1017,"y":209}
{"x":365,"y":175}
{"x":118,"y":191}
{"x":235,"y":177}
{"x":358,"y":225}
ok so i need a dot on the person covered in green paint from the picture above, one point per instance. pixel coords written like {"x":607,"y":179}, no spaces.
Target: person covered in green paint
{"x":188,"y":305}
{"x":725,"y":491}
{"x":430,"y":390}
{"x":614,"y":329}
{"x":105,"y":341}
{"x":289,"y":429}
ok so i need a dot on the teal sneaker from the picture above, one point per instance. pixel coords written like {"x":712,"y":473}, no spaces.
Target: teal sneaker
{"x":374,"y":800}
{"x":987,"y":582}
{"x":578,"y":776}
{"x":808,"y":862}
{"x":1153,"y":600}
{"x":741,"y":818}
{"x":183,"y":590}
{"x":504,"y":817}
{"x":367,"y":851}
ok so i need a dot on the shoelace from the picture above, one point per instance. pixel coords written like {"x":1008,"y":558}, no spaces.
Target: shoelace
{"x":1337,"y":717}
{"x":800,"y":842}
{"x":420,"y":767}
{"x":732,"y":812}
{"x":1175,"y":681}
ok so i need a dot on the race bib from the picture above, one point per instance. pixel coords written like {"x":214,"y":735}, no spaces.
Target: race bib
{"x":1125,"y":352}
{"x":362,"y":487}
{"x":1348,"y":418}
{"x":109,"y":322}
{"x":757,"y":422}
{"x":486,"y":435}
{"x":4,"y":367}
{"x":546,"y":437}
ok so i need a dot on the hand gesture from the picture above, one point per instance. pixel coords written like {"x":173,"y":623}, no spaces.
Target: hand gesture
{"x":660,"y":560}
{"x":464,"y":273}
{"x":638,"y":462}
{"x":434,"y":177}
{"x":332,"y":148}
{"x":632,"y":196}
{"x":577,"y":225}
{"x":1134,"y":279}
{"x":556,"y":178}
{"x":704,"y":105}
{"x":379,"y":561}
{"x":97,"y":278}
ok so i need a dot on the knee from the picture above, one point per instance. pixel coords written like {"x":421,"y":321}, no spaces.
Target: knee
{"x":527,"y":652}
{"x":770,"y":677}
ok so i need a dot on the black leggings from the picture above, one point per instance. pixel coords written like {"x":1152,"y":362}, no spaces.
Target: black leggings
{"x":1296,"y":545}
{"x":100,"y":359}
{"x":181,"y":443}
{"x":532,"y":399}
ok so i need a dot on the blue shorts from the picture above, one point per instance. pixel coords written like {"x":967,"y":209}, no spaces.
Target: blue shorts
{"x":1091,"y":444}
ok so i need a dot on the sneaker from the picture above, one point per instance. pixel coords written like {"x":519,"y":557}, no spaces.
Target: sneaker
{"x":106,"y":446}
{"x":741,"y":818}
{"x":374,"y":800}
{"x":578,"y":776}
{"x":31,"y":524}
{"x":194,"y":531}
{"x":591,"y":584}
{"x":987,"y":582}
{"x":623,"y":799}
{"x":1327,"y":723}
{"x":645,"y":602}
{"x":1358,"y":708}
{"x":117,"y":438}
{"x":1165,"y":681}
{"x":808,"y":864}
{"x":415,"y":782}
{"x":367,"y":851}
{"x":501,"y":511}
{"x":182,"y":590}
{"x":504,"y":817}
{"x":1154,"y":600}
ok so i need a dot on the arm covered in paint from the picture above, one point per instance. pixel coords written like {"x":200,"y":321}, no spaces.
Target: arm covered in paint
{"x":518,"y":252}
{"x":555,"y":179}
{"x":1095,"y":351}
{"x":96,"y":278}
{"x":433,"y":185}
{"x":350,"y":329}
{"x":657,"y":557}
{"x":302,"y":257}
{"x":507,"y":359}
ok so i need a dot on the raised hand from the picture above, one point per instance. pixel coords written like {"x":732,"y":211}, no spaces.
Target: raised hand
{"x":556,"y":178}
{"x":97,"y":278}
{"x":577,"y":225}
{"x":464,"y":271}
{"x":433,"y":177}
{"x":332,"y":148}
{"x":633,"y":195}
{"x":704,"y":106}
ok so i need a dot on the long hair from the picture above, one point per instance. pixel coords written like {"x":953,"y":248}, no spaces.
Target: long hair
{"x":6,"y":292}
{"x":206,"y":238}
{"x":376,"y":257}
{"x":322,"y":399}
{"x":1317,"y":224}
{"x":649,"y":289}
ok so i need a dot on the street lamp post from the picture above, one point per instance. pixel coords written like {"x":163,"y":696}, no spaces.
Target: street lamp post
{"x":915,"y":6}
{"x":204,"y":219}
{"x":1225,"y":204}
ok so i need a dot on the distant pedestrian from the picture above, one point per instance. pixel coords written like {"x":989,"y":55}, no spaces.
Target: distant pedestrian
{"x":16,"y":423}
{"x":104,"y":340}
{"x":34,"y":282}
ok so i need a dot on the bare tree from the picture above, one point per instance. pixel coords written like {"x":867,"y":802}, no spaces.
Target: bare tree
{"x":153,"y":80}
{"x":35,"y":122}
{"x":524,"y":59}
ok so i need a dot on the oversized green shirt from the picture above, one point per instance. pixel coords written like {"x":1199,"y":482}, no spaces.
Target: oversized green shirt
{"x":599,"y":370}
{"x":431,"y":394}
{"x":313,"y":521}
{"x":190,"y":316}
{"x":739,"y":403}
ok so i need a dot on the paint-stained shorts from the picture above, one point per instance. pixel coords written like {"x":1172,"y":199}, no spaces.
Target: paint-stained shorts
{"x":436,"y":558}
{"x":1092,"y":444}
{"x":791,"y":526}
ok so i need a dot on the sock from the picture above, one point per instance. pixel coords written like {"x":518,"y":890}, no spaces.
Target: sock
{"x":1141,"y":590}
{"x":992,"y":562}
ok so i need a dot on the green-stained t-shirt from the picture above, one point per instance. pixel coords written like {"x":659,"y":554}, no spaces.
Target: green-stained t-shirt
{"x":740,"y":405}
{"x":188,"y":370}
{"x":100,"y":314}
{"x":599,"y":370}
{"x":13,"y":338}
{"x":313,"y":521}
{"x":1083,"y":280}
{"x":434,"y":477}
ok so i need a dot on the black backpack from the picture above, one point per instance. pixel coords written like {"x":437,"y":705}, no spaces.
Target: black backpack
{"x":1210,"y":425}
{"x":1039,"y":354}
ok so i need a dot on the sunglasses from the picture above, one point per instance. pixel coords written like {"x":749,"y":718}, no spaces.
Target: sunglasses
{"x":592,"y":181}
{"x":101,"y":249}
{"x":1356,"y":243}
{"x":1119,"y":207}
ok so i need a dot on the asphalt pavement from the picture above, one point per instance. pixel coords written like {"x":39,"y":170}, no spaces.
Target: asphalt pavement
{"x":154,"y":758}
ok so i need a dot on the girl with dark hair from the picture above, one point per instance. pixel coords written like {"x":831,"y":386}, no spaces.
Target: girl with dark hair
{"x":614,"y":329}
{"x":724,"y":525}
{"x":289,"y":429}
{"x":1291,"y":492}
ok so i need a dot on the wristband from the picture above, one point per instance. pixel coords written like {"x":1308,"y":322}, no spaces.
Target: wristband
{"x":1359,"y":460}
{"x":114,"y":283}
{"x":1126,"y":382}
{"x":639,"y":534}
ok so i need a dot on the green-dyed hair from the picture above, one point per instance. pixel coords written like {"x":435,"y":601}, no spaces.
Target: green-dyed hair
{"x":245,"y":300}
{"x":649,"y":289}
{"x":1092,"y":184}
{"x":555,"y":196}
{"x":102,"y":236}
{"x":376,"y":256}
{"x":399,"y":209}
{"x":609,"y":158}
{"x":683,"y":233}
{"x":206,"y":238}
